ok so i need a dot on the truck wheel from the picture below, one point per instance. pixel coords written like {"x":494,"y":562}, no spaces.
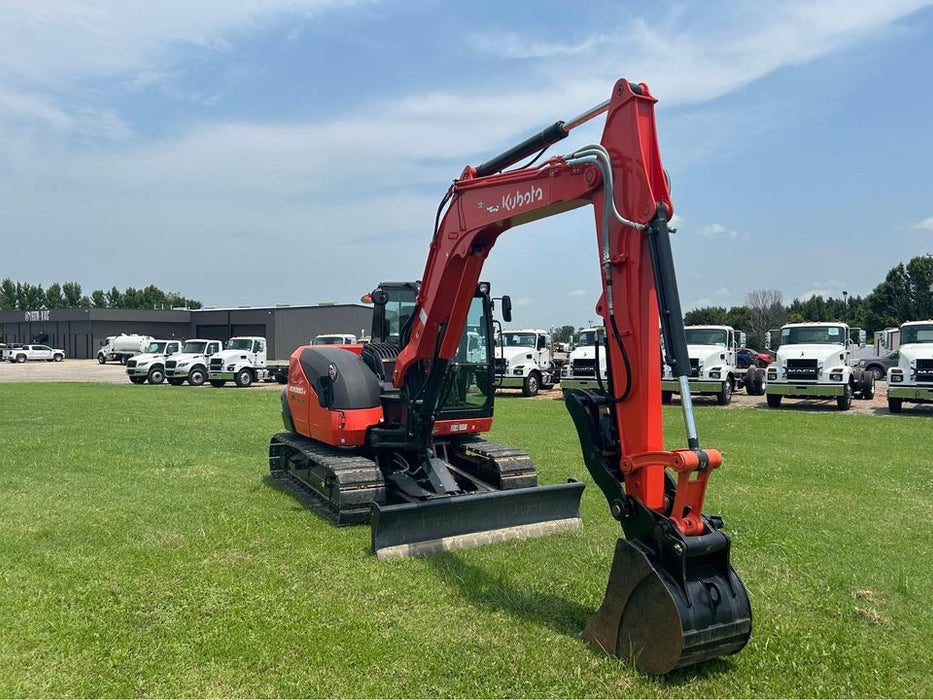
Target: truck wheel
{"x":243,"y":378}
{"x":868,"y":385}
{"x":281,"y":378}
{"x":175,"y":381}
{"x":844,"y":402}
{"x":877,"y":371}
{"x":122,"y":359}
{"x":218,"y":382}
{"x":530,"y":385}
{"x":895,"y":405}
{"x":196,"y":377}
{"x":137,"y":380}
{"x":101,"y":359}
{"x":156,"y":375}
{"x":774,"y":400}
{"x":725,"y":394}
{"x":58,"y":358}
{"x":666,"y":396}
{"x":758,"y":382}
{"x":20,"y":358}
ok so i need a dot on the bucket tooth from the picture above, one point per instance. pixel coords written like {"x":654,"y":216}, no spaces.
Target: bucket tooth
{"x":659,"y":625}
{"x":459,"y":522}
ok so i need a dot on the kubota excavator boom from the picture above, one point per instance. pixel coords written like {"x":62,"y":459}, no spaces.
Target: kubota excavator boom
{"x":673,"y":598}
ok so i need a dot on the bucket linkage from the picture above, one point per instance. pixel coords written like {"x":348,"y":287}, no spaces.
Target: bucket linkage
{"x":672,"y":599}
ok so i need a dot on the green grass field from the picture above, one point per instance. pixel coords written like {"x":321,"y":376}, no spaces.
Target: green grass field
{"x":144,"y":553}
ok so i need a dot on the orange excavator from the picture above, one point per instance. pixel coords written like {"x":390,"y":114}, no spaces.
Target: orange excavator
{"x":389,"y":431}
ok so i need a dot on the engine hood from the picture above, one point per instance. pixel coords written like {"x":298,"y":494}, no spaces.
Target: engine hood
{"x":510,"y":353}
{"x":189,"y":356}
{"x":148,"y":357}
{"x":709,"y":355}
{"x":915,"y":351}
{"x":829,"y":354}
{"x":584,"y":352}
{"x":232,"y":355}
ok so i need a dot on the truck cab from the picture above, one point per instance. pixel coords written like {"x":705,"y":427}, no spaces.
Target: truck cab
{"x":150,"y":365}
{"x":523,"y":360}
{"x":580,"y":370}
{"x":242,"y":361}
{"x":335,"y":339}
{"x":912,"y":379}
{"x":190,"y":365}
{"x":815,"y":360}
{"x":713,"y":369}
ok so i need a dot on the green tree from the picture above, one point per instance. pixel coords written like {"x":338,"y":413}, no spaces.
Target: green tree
{"x":706,"y":316}
{"x":904,"y":295}
{"x":72,"y":292}
{"x":114,"y":298}
{"x":54,"y":299}
{"x":564,"y":334}
{"x":7,"y":295}
{"x":99,"y":299}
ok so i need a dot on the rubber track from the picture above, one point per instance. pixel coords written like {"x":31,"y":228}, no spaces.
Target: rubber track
{"x":344,"y":483}
{"x":499,"y":465}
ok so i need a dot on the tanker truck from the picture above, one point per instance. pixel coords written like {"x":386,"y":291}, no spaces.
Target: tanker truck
{"x":122,"y":347}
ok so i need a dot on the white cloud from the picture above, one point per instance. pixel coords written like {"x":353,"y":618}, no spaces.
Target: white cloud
{"x":925,"y":225}
{"x":814,"y":293}
{"x":716,"y":52}
{"x":719,"y":231}
{"x":576,"y":293}
{"x":59,"y":40}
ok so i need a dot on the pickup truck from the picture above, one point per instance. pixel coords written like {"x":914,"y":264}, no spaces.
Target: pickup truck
{"x":36,"y":352}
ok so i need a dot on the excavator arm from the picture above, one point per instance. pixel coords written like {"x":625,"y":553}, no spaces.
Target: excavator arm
{"x":673,"y":598}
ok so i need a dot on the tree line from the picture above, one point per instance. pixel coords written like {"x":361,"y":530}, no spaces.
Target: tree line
{"x":906,"y":294}
{"x":26,"y":296}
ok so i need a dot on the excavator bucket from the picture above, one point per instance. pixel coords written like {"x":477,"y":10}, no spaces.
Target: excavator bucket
{"x":661,"y":622}
{"x":460,"y":522}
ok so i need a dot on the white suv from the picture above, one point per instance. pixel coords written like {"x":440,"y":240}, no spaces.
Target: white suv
{"x":37,"y":352}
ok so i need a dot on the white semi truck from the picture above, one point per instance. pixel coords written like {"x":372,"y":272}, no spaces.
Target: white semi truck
{"x":523,"y":361}
{"x":814,"y":361}
{"x":150,"y":365}
{"x":190,"y":365}
{"x":244,"y":361}
{"x":122,"y":347}
{"x":580,"y":370}
{"x":713,"y":369}
{"x":912,"y":379}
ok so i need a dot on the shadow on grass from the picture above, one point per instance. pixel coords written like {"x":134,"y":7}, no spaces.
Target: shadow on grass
{"x":566,"y":617}
{"x":496,"y":592}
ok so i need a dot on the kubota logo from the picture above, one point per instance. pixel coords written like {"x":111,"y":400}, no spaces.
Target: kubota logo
{"x":520,"y":198}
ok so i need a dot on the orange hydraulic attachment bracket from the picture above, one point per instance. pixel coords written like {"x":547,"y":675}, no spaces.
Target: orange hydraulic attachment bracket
{"x":688,"y":497}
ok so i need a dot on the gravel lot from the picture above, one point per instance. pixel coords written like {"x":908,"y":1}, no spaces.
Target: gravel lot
{"x":85,"y":371}
{"x":113,"y":373}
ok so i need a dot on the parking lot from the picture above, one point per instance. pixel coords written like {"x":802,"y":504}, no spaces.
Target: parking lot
{"x":112,"y":373}
{"x":79,"y":371}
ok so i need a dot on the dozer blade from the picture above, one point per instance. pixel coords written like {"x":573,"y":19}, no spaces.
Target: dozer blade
{"x":459,"y":522}
{"x":660,"y":624}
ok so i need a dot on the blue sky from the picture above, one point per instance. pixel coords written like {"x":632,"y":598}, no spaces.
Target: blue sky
{"x":295,"y":151}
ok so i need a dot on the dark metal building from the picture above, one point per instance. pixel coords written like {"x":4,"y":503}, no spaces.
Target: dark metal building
{"x":80,"y":332}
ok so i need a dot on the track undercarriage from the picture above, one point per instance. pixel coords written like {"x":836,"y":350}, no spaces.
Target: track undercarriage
{"x":498,"y":496}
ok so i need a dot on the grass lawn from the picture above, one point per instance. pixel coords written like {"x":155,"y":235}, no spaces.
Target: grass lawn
{"x":143,"y":552}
